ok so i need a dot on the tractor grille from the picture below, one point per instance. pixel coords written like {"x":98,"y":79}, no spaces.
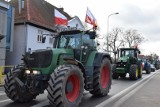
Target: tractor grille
{"x":40,"y":59}
{"x":121,"y":64}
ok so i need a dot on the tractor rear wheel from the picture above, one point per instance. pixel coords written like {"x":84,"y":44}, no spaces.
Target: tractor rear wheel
{"x":102,"y":79}
{"x":13,"y":91}
{"x":140,"y":70}
{"x":133,"y":72}
{"x":114,"y":73}
{"x":66,"y":86}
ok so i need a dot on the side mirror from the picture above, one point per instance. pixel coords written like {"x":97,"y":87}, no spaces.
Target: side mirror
{"x":92,"y":34}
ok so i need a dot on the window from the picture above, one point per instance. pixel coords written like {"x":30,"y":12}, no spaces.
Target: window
{"x":3,"y":21}
{"x":50,"y":40}
{"x":39,"y":36}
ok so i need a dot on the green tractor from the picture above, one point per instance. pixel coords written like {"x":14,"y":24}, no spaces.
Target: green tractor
{"x":65,"y":71}
{"x":128,"y":62}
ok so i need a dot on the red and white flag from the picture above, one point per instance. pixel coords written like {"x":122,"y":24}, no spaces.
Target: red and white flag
{"x":59,"y":18}
{"x":90,"y":18}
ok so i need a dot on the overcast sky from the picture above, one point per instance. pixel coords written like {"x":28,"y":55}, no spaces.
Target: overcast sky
{"x":142,"y":15}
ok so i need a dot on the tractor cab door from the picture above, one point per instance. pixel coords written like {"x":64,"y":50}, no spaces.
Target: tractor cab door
{"x":86,"y":48}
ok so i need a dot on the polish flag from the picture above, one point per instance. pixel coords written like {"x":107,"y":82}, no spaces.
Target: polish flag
{"x":90,"y":18}
{"x":59,"y":18}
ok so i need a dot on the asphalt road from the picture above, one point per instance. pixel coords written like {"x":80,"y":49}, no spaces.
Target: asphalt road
{"x":120,"y":95}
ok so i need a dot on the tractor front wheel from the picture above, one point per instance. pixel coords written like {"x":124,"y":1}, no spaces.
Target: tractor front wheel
{"x":13,"y":90}
{"x":66,"y":86}
{"x":114,"y":73}
{"x":102,"y":79}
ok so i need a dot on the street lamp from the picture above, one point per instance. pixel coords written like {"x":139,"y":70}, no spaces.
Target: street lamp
{"x":108,"y":28}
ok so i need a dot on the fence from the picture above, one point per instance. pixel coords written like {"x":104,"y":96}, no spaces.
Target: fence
{"x":2,"y":76}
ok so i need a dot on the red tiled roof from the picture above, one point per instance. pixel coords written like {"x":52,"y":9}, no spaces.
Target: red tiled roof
{"x":38,"y":12}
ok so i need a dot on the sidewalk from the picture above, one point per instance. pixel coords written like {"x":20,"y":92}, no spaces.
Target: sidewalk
{"x":147,"y":96}
{"x":2,"y":80}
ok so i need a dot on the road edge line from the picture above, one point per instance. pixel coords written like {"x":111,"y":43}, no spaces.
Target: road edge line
{"x":104,"y":103}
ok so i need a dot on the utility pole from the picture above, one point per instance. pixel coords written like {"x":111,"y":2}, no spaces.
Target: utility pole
{"x":108,"y":29}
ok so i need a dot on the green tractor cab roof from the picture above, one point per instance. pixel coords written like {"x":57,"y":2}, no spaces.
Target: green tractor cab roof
{"x":129,"y":49}
{"x":92,"y":34}
{"x":70,"y":32}
{"x":136,"y":49}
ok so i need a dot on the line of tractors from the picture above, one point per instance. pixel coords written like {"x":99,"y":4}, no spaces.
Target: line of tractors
{"x":72,"y":66}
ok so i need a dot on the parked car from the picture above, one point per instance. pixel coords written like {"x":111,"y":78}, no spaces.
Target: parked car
{"x":153,"y":68}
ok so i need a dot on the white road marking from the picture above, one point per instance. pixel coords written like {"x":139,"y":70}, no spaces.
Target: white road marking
{"x":128,"y":95}
{"x":103,"y":104}
{"x":42,"y":104}
{"x":2,"y":93}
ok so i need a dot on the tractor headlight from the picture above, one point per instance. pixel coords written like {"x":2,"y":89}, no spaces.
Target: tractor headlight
{"x":27,"y":71}
{"x":36,"y":72}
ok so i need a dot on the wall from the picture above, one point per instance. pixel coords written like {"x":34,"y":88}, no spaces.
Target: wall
{"x":3,"y":28}
{"x":19,"y":44}
{"x":25,"y":39}
{"x":32,"y":43}
{"x":76,"y":22}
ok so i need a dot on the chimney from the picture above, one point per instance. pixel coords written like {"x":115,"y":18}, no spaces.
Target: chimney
{"x":61,"y":8}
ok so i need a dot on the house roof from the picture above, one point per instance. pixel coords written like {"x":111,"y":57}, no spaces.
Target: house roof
{"x":37,"y":12}
{"x":4,"y":4}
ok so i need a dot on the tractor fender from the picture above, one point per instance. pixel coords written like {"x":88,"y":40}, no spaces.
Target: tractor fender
{"x":99,"y":57}
{"x":75,"y":62}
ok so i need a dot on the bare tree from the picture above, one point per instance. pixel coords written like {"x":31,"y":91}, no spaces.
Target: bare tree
{"x":114,"y":39}
{"x":132,"y":38}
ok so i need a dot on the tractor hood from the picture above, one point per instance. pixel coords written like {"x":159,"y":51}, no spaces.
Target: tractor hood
{"x":46,"y":57}
{"x":123,"y":59}
{"x":39,"y":58}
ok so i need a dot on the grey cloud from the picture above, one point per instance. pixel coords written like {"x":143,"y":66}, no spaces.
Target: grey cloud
{"x":145,"y":21}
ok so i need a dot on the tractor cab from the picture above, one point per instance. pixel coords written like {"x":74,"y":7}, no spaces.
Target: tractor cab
{"x":127,"y":53}
{"x":81,"y":42}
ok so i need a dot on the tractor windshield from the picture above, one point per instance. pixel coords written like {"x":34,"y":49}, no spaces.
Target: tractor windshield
{"x":129,"y":53}
{"x":70,"y":41}
{"x":75,"y":41}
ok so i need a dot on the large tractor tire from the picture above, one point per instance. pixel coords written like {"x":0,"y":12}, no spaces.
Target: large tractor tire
{"x":12,"y":89}
{"x":133,"y":72}
{"x":114,"y":73}
{"x":148,"y":70}
{"x":140,"y":67}
{"x":102,"y":79}
{"x":66,"y":86}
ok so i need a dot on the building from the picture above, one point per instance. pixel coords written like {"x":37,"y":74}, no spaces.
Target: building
{"x":33,"y":20}
{"x":76,"y":22}
{"x":3,"y":31}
